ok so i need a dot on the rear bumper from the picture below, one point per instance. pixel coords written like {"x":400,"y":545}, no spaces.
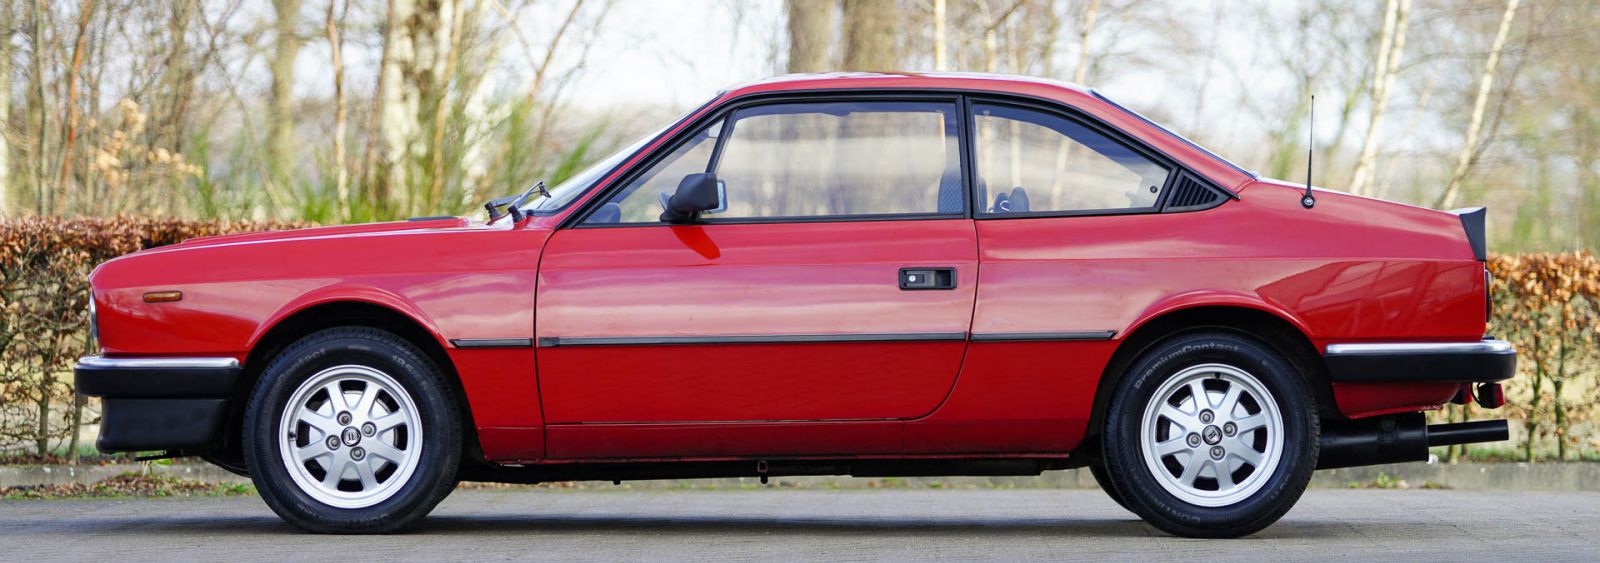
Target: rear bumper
{"x":159,"y":403}
{"x":1465,"y":362}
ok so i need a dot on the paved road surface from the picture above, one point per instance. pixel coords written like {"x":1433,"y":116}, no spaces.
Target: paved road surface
{"x":786,"y":525}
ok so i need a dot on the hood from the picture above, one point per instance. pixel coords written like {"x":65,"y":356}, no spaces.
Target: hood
{"x":339,"y":230}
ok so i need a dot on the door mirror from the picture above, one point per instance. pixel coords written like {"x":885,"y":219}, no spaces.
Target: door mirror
{"x":696,"y":194}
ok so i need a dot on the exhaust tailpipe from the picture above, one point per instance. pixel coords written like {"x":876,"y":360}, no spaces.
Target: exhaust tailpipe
{"x":1398,"y":439}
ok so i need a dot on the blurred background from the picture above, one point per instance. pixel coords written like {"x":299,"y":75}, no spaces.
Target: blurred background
{"x":349,"y":110}
{"x":193,"y":117}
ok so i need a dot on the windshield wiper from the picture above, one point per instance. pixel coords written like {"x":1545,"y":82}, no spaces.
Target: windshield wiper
{"x":513,"y":203}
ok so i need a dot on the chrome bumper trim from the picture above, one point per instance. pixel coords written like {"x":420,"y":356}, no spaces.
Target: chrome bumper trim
{"x":156,"y":363}
{"x":1386,"y":348}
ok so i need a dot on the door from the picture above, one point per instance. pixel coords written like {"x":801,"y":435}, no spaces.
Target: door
{"x":837,"y":284}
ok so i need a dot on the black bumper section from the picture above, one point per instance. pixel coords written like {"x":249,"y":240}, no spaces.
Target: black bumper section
{"x":150,"y":405}
{"x":1481,"y":362}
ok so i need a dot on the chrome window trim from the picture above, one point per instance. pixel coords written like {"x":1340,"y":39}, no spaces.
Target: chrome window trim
{"x":156,"y":363}
{"x":1392,"y":348}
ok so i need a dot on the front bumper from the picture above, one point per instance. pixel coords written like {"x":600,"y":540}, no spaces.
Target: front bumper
{"x":159,"y":403}
{"x":1486,"y":361}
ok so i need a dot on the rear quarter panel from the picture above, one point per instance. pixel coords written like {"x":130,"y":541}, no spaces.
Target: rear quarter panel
{"x":1349,"y":270}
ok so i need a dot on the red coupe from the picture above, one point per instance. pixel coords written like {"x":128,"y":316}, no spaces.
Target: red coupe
{"x":855,"y":274}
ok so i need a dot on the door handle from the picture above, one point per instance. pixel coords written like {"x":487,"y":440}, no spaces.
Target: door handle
{"x":916,"y":279}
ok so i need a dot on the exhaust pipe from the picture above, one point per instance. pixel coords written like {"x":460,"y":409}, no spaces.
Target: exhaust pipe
{"x":1398,"y":439}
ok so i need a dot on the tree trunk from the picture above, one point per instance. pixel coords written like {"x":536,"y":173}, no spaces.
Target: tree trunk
{"x":7,"y":20}
{"x":69,"y":135}
{"x":341,"y":173}
{"x":280,"y":114}
{"x":1391,"y":46}
{"x":43,"y":195}
{"x":1480,"y":103}
{"x":441,"y":104}
{"x":941,"y":61}
{"x":811,"y":34}
{"x":870,"y":32}
{"x":1082,"y":72}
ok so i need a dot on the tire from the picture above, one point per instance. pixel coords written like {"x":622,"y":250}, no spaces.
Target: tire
{"x":1098,"y":470}
{"x":1162,"y":449}
{"x":383,"y":477}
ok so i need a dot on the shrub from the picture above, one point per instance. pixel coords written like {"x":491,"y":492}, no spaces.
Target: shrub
{"x":44,"y":263}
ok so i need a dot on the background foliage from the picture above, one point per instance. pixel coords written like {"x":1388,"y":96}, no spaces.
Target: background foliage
{"x":43,"y":304}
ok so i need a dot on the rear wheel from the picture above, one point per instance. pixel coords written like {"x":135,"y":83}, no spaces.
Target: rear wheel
{"x":1211,"y":434}
{"x":352,"y":430}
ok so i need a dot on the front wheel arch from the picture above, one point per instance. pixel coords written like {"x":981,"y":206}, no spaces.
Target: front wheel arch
{"x":337,"y":314}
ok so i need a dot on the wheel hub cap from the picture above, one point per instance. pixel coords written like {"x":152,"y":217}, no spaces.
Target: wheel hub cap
{"x":1212,"y":435}
{"x":350,"y":436}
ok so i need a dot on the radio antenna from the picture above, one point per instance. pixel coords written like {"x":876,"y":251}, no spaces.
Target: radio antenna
{"x":1309,"y":200}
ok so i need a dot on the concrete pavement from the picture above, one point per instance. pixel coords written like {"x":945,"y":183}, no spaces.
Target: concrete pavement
{"x":775,"y":524}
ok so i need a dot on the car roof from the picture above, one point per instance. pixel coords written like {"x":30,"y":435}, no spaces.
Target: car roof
{"x":1087,"y":100}
{"x":985,"y":81}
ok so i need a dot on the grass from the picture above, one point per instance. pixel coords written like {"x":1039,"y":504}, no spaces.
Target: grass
{"x":128,"y":485}
{"x":1387,"y":481}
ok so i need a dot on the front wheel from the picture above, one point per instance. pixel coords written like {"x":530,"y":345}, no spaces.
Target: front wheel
{"x":1211,"y":434}
{"x":352,"y":430}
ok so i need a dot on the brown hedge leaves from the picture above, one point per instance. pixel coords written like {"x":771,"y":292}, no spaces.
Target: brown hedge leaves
{"x":44,"y":265}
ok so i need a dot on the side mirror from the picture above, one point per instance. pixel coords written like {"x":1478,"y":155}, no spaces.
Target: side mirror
{"x":696,"y":194}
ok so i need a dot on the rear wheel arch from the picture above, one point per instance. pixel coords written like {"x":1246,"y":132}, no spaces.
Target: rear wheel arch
{"x":1277,"y":332}
{"x":305,"y":322}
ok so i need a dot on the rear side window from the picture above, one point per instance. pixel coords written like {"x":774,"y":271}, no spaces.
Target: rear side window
{"x":1034,"y":161}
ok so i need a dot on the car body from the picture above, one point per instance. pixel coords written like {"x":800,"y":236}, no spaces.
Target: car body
{"x":944,"y":328}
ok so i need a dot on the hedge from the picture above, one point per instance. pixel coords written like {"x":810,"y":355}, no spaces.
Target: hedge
{"x":44,"y":266}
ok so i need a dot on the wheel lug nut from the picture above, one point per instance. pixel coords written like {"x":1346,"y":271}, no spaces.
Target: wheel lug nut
{"x":1194,"y":440}
{"x":1229,"y":429}
{"x":357,"y":454}
{"x":1206,"y":416}
{"x":369,"y":429}
{"x":333,"y":442}
{"x":344,"y":418}
{"x":1216,"y":452}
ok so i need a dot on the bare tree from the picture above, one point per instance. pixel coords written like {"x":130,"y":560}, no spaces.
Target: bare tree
{"x":870,"y":32}
{"x":1470,"y":148}
{"x":341,"y":171}
{"x":1391,"y":46}
{"x":811,"y":34}
{"x":7,"y":21}
{"x":280,"y":114}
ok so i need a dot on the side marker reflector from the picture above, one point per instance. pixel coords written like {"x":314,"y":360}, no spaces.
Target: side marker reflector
{"x":163,"y":296}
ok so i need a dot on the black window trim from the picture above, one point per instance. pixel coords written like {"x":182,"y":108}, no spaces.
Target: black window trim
{"x":964,"y":97}
{"x":732,"y":107}
{"x":1175,"y":170}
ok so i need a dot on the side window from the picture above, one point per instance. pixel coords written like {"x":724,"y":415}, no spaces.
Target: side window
{"x":1036,"y":161}
{"x":818,"y":159}
{"x":839,"y":159}
{"x":636,"y":203}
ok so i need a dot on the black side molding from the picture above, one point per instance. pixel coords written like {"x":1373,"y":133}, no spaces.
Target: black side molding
{"x":492,"y":342}
{"x":1472,"y":219}
{"x":1043,"y":336}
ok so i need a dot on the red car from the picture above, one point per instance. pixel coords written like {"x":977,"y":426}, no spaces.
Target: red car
{"x":857,"y":274}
